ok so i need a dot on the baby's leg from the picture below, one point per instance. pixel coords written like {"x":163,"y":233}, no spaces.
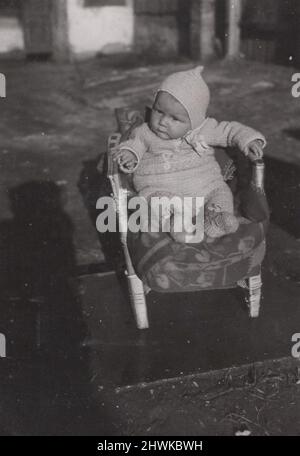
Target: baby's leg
{"x":162,"y":205}
{"x":219,"y":213}
{"x":167,"y":214}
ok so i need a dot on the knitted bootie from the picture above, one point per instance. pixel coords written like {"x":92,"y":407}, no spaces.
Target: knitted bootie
{"x":218,"y":224}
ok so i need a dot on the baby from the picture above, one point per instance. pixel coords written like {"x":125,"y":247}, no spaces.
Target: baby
{"x":173,"y":154}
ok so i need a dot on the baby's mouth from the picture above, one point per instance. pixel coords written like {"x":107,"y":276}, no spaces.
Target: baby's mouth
{"x":162,"y":132}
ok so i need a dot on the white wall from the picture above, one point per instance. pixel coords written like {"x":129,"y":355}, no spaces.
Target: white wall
{"x":11,"y":35}
{"x":97,"y":29}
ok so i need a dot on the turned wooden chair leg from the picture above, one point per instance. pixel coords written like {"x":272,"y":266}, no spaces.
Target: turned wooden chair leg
{"x":253,"y":295}
{"x":252,"y":288}
{"x":138,"y":301}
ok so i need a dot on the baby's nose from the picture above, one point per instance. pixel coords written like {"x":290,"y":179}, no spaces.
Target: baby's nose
{"x":164,"y":120}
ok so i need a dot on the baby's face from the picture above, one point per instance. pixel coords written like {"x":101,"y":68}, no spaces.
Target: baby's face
{"x":169,"y":119}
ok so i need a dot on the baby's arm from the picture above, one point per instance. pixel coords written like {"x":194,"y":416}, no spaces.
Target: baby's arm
{"x":232,"y":134}
{"x":129,"y":153}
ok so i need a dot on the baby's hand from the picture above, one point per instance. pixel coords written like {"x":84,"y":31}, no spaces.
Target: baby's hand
{"x":254,"y":149}
{"x":126,"y":159}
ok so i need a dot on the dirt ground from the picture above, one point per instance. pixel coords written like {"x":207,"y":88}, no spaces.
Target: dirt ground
{"x":260,"y":401}
{"x":54,"y":125}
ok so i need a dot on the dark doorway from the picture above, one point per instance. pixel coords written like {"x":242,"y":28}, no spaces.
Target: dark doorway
{"x":184,"y":27}
{"x":270,"y":31}
{"x":36,"y":18}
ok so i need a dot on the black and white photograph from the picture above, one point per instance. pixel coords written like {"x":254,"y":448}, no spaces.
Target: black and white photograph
{"x":150,"y":222}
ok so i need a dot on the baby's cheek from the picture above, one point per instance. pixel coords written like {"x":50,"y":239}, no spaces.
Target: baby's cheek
{"x":154,"y":117}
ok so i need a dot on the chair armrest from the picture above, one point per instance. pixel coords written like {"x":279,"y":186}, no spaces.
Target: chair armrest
{"x":254,"y":205}
{"x":127,"y":119}
{"x":258,"y":175}
{"x":120,"y":182}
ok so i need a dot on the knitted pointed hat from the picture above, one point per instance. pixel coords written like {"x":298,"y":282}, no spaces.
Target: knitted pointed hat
{"x":190,"y":89}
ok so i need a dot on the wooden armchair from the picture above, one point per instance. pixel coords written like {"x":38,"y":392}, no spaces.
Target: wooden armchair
{"x":235,"y":259}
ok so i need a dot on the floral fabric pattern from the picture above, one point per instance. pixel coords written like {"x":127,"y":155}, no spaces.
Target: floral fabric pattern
{"x":168,"y":266}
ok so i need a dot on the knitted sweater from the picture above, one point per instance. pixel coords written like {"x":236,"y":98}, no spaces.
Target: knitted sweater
{"x":184,"y":166}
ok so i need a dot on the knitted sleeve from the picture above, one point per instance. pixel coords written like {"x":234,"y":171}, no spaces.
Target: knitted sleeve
{"x":228,"y":134}
{"x":137,"y":143}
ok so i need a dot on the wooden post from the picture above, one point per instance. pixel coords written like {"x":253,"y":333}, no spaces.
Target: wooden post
{"x":183,"y":18}
{"x":234,"y":13}
{"x":60,"y":31}
{"x":207,"y":29}
{"x":202,"y":29}
{"x":37,"y":27}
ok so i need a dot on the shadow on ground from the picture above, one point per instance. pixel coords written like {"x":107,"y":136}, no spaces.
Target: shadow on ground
{"x":283,"y":192}
{"x":93,"y":184}
{"x":46,"y":375}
